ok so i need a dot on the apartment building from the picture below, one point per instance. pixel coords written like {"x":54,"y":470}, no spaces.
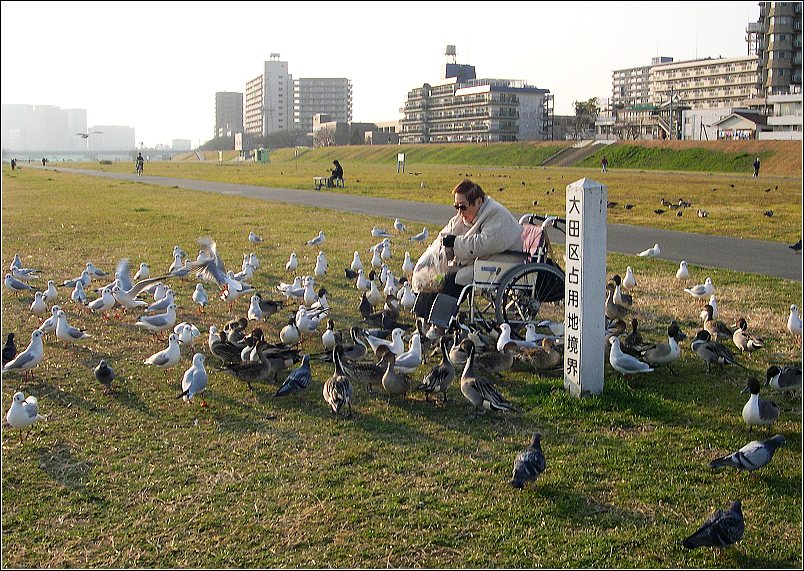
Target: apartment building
{"x":775,"y":38}
{"x":331,"y":96}
{"x":465,"y":109}
{"x":228,"y":113}
{"x":705,"y":83}
{"x":268,"y":104}
{"x":631,"y":86}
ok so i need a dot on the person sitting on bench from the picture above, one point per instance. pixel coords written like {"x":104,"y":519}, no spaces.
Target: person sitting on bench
{"x":337,"y":174}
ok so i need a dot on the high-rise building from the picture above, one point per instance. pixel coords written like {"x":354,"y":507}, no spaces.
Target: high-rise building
{"x":705,"y":83}
{"x":328,"y":95}
{"x":631,"y":86}
{"x":775,"y":38}
{"x":268,"y":105}
{"x":228,"y":113}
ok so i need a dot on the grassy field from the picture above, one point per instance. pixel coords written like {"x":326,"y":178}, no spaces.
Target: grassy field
{"x":735,"y":202}
{"x":136,"y":478}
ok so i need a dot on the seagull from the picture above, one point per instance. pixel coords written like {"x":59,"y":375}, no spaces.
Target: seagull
{"x":24,"y":274}
{"x":38,"y":306}
{"x":86,"y":135}
{"x":50,"y":295}
{"x":200,"y":297}
{"x":396,"y":344}
{"x":758,"y":411}
{"x":629,"y":282}
{"x":298,"y":379}
{"x":528,"y":464}
{"x":210,"y":267}
{"x":683,"y":273}
{"x":398,"y":226}
{"x":407,"y":265}
{"x":253,"y":238}
{"x":420,"y":237}
{"x":292,"y":263}
{"x":720,"y":530}
{"x":160,"y":321}
{"x":104,"y":375}
{"x":16,"y":285}
{"x":410,"y":360}
{"x":624,"y":363}
{"x":787,"y":379}
{"x":168,"y":357}
{"x":254,"y":310}
{"x":651,"y":252}
{"x":125,"y":299}
{"x":187,"y":333}
{"x":104,"y":303}
{"x":194,"y":380}
{"x":380,"y":233}
{"x":143,"y":272}
{"x":95,"y":272}
{"x":9,"y":349}
{"x":24,"y":412}
{"x":357,"y":263}
{"x":794,"y":321}
{"x":30,"y":357}
{"x":752,"y":456}
{"x":67,"y":332}
{"x":49,"y":324}
{"x":700,"y":291}
{"x":318,"y":240}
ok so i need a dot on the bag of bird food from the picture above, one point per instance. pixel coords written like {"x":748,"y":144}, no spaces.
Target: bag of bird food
{"x":428,"y":273}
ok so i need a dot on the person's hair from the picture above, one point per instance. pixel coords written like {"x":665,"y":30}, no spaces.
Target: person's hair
{"x":470,"y":190}
{"x":335,"y":162}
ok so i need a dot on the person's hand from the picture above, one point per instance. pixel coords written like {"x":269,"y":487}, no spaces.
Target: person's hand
{"x":448,"y":241}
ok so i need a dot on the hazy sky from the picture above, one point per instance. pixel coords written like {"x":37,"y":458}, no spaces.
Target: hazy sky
{"x":156,"y":66}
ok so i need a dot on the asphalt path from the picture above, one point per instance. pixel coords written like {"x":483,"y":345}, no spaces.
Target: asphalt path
{"x":738,"y":254}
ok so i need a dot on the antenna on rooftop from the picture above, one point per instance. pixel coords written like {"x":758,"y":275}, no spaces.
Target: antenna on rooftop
{"x":450,"y":53}
{"x":274,"y":56}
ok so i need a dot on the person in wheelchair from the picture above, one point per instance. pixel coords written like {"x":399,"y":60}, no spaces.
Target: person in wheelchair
{"x":482,"y":228}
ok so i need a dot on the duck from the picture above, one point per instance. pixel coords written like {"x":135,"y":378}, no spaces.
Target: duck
{"x":624,"y":363}
{"x":783,"y":379}
{"x":367,"y":374}
{"x":664,"y":353}
{"x":394,"y":382}
{"x":712,"y":351}
{"x":337,"y":390}
{"x":758,"y":411}
{"x":718,"y":330}
{"x":457,"y":353}
{"x":439,"y":378}
{"x":633,"y":344}
{"x":613,"y":310}
{"x":478,"y":391}
{"x":357,"y":351}
{"x":744,"y":340}
{"x":621,"y":298}
{"x":496,"y":362}
{"x":541,"y":358}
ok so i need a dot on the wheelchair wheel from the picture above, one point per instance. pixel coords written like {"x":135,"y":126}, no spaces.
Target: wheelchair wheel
{"x":528,"y":294}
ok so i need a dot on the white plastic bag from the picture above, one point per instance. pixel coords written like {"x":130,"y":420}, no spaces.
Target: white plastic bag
{"x":428,"y":273}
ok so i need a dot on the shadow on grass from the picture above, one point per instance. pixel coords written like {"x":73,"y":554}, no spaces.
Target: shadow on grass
{"x":59,"y":463}
{"x":567,"y":504}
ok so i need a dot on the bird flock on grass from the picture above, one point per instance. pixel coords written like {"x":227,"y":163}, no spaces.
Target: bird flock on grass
{"x":386,"y":348}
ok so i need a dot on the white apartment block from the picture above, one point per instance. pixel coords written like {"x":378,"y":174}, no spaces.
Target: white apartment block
{"x":705,"y":83}
{"x":268,"y":105}
{"x":631,"y":86}
{"x":331,"y":96}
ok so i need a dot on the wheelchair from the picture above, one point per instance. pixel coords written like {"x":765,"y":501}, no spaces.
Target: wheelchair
{"x":517,"y":293}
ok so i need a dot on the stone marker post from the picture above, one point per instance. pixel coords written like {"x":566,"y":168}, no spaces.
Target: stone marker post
{"x":585,"y":287}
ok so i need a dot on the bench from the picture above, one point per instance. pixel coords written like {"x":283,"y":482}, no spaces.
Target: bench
{"x":320,"y":181}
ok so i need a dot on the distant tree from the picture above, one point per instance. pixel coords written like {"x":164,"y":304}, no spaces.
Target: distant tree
{"x":583,"y":124}
{"x":324,"y":137}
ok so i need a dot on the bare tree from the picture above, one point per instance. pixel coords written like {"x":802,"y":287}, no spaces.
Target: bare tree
{"x":324,"y":137}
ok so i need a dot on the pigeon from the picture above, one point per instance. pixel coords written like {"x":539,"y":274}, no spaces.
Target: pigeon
{"x":758,"y":411}
{"x":752,"y":456}
{"x":768,"y":213}
{"x":194,"y":380}
{"x":796,"y":247}
{"x":9,"y":349}
{"x":297,"y":380}
{"x":720,"y":530}
{"x":682,"y":273}
{"x":783,"y":379}
{"x":30,"y":357}
{"x":253,"y":238}
{"x":24,"y":412}
{"x":104,"y":374}
{"x":651,"y":252}
{"x":528,"y":464}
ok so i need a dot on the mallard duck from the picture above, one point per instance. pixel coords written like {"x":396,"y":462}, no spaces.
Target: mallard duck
{"x":744,"y":340}
{"x":440,"y":377}
{"x":477,"y":390}
{"x":758,"y":411}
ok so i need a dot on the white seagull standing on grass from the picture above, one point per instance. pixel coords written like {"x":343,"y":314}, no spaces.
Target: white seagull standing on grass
{"x":651,"y":252}
{"x":24,"y":412}
{"x":420,"y":237}
{"x":318,"y":240}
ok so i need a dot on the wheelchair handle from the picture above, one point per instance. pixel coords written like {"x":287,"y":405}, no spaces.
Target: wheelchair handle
{"x":556,"y":221}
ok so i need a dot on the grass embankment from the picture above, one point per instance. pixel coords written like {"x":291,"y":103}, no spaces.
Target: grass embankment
{"x":138,"y":479}
{"x":735,"y":202}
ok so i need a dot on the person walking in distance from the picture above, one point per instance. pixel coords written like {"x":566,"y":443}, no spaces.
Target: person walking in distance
{"x":605,"y":164}
{"x":756,"y":167}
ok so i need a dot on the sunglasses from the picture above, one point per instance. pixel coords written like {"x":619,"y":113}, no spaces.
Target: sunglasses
{"x":460,"y":207}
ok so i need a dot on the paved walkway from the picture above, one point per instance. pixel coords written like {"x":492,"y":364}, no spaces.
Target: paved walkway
{"x":743,"y":255}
